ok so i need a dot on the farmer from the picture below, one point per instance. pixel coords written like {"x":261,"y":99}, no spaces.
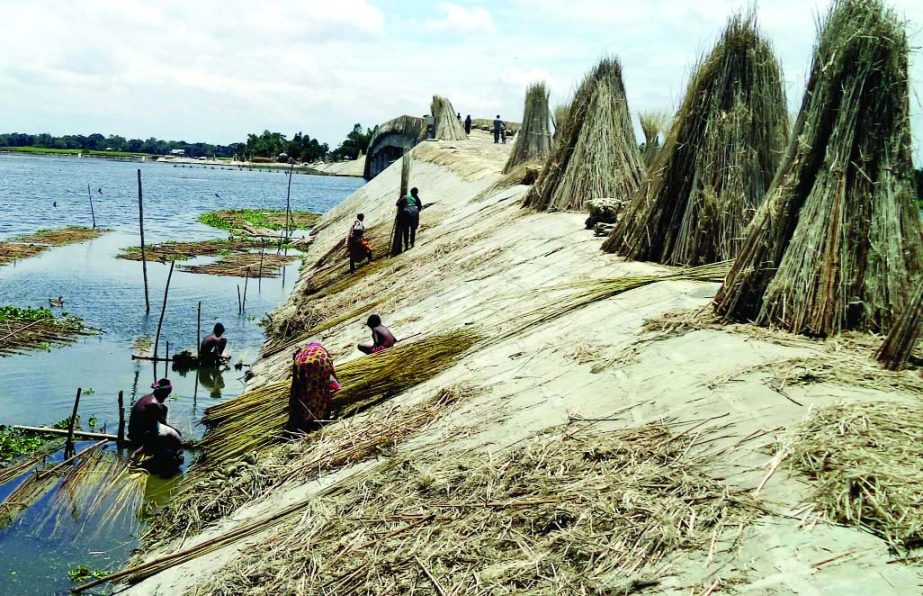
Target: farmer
{"x":468,"y":124}
{"x":358,"y":248}
{"x":212,"y":349}
{"x":382,"y":338}
{"x":503,"y":133}
{"x":497,"y":125}
{"x":313,"y":385}
{"x":148,"y":411}
{"x":409,"y":208}
{"x":167,"y":454}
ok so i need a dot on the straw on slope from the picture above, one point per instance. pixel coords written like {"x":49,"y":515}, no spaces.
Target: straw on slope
{"x":569,"y":512}
{"x":211,"y":494}
{"x":653,"y":122}
{"x":534,"y":139}
{"x":837,"y":244}
{"x":717,"y":161}
{"x":257,"y":418}
{"x":904,"y":335}
{"x":445,"y":121}
{"x":865,"y":461}
{"x":596,"y":154}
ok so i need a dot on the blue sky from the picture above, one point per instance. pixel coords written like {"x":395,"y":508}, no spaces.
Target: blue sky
{"x":214,"y":70}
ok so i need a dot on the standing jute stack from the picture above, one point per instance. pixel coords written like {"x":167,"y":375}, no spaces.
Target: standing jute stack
{"x":653,"y":122}
{"x":533,"y":141}
{"x":837,"y":244}
{"x":717,"y":161}
{"x":446,"y":126}
{"x":595,"y":154}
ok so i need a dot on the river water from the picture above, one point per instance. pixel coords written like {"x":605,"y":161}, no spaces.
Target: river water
{"x":108,"y":293}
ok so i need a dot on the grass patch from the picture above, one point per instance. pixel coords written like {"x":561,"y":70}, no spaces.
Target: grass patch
{"x":272,"y":219}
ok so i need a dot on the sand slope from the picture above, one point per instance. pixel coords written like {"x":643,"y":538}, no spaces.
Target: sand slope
{"x":481,"y":260}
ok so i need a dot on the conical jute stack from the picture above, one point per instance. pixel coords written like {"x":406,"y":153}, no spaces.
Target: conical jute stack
{"x":446,"y":126}
{"x":533,"y":141}
{"x":717,"y":161}
{"x":596,"y":154}
{"x":837,"y":244}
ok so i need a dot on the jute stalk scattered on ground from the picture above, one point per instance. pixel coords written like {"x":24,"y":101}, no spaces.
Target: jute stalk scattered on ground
{"x":24,"y":329}
{"x":596,"y":154}
{"x":568,"y":512}
{"x":40,"y":241}
{"x":864,"y":459}
{"x":717,"y":161}
{"x":534,"y":139}
{"x":239,"y":264}
{"x":257,"y":418}
{"x":837,"y":244}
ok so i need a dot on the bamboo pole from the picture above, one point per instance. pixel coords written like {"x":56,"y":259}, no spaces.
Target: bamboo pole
{"x":240,"y":308}
{"x":92,"y":211}
{"x":163,"y":310}
{"x":288,"y":202}
{"x":259,"y":275}
{"x":166,"y":363}
{"x":243,"y":305}
{"x":120,"y":438}
{"x":41,"y":430}
{"x":69,"y":445}
{"x":147,"y":300}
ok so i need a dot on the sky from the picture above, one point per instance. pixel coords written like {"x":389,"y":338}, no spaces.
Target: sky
{"x":214,"y":70}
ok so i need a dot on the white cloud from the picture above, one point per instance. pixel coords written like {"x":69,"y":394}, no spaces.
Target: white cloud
{"x":457,"y":19}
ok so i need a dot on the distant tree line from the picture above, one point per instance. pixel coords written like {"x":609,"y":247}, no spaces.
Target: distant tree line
{"x":270,"y":145}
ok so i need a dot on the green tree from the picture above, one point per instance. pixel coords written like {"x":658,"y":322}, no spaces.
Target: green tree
{"x":356,"y":142}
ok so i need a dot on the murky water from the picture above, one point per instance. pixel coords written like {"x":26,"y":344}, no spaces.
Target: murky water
{"x":108,"y":293}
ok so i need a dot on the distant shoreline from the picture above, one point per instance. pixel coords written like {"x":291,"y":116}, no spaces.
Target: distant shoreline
{"x":342,"y":169}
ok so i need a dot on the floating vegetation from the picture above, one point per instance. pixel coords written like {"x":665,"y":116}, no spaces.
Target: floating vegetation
{"x":216,"y":492}
{"x":257,"y":418}
{"x":569,"y":512}
{"x":837,"y":243}
{"x":236,"y":220}
{"x":717,"y":160}
{"x":864,"y":459}
{"x":595,"y":155}
{"x":243,"y":264}
{"x":182,"y":251}
{"x":24,"y":329}
{"x":15,"y":443}
{"x":33,"y":244}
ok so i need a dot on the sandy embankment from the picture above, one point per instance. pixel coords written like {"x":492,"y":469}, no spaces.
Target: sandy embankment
{"x":484,"y":261}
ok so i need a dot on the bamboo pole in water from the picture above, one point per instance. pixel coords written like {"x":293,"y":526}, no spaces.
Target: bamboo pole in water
{"x":120,"y":438}
{"x":163,"y":310}
{"x":288,"y":202}
{"x":92,"y":211}
{"x":69,"y":445}
{"x":198,"y":344}
{"x":147,"y":300}
{"x":243,"y":305}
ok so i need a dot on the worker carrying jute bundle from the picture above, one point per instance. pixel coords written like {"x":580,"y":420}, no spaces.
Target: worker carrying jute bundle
{"x":313,"y":384}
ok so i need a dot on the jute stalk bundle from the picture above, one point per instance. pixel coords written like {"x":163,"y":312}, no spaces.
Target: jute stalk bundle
{"x":717,"y":161}
{"x":533,"y":142}
{"x":596,"y":154}
{"x":257,"y":419}
{"x":560,"y":119}
{"x":904,"y":335}
{"x":446,"y":126}
{"x":837,"y":244}
{"x":653,"y":122}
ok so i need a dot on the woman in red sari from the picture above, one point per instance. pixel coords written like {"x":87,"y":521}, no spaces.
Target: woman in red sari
{"x":313,"y":385}
{"x":358,"y":248}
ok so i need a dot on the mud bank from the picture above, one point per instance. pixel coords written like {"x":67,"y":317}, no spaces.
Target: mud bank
{"x":649,"y":355}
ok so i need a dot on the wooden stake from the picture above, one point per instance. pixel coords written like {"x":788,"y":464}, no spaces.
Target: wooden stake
{"x":120,"y":438}
{"x":288,"y":202}
{"x":92,"y":211}
{"x":259,"y":275}
{"x":147,"y":300}
{"x":198,"y":327}
{"x":163,"y":309}
{"x":166,"y":363}
{"x":243,"y":305}
{"x":40,"y":430}
{"x":240,"y":307}
{"x":69,"y":445}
